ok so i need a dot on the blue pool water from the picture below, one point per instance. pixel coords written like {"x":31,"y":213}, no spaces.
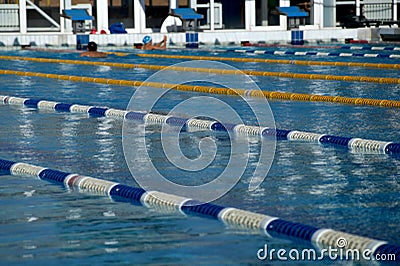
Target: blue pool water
{"x":322,"y":186}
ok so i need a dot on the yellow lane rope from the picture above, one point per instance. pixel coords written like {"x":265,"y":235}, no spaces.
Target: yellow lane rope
{"x":274,"y":61}
{"x":68,"y":51}
{"x":213,"y":90}
{"x":216,"y":71}
{"x":117,"y":53}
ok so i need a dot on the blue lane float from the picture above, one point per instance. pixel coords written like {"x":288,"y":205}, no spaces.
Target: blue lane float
{"x":354,"y":144}
{"x":268,"y":225}
{"x":345,"y":47}
{"x":376,"y":48}
{"x":309,"y":53}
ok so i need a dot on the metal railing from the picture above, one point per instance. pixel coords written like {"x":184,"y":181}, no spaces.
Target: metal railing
{"x":9,"y":17}
{"x":378,"y":11}
{"x":372,"y":9}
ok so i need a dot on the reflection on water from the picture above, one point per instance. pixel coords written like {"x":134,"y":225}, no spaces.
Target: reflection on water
{"x":26,"y":128}
{"x":107,"y":144}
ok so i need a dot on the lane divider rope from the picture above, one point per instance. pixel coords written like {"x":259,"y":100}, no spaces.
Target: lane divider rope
{"x":216,"y":71}
{"x":354,"y":144}
{"x":276,"y":95}
{"x":379,"y":48}
{"x":348,"y":47}
{"x":269,"y":225}
{"x":211,"y":70}
{"x":52,"y":50}
{"x":274,"y":61}
{"x":309,"y":53}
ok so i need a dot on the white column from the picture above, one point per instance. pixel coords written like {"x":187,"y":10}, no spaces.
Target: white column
{"x":358,"y":9}
{"x":264,"y":12}
{"x":102,"y":15}
{"x":173,"y":4}
{"x":283,"y":19}
{"x":22,"y":16}
{"x":212,"y":15}
{"x":139,"y":15}
{"x":283,"y":3}
{"x":395,"y":10}
{"x":317,"y":16}
{"x":193,"y":4}
{"x":62,"y":20}
{"x":250,"y":14}
{"x":68,"y":22}
{"x":330,"y":13}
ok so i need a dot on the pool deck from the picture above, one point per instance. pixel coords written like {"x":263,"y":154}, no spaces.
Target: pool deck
{"x":222,"y":37}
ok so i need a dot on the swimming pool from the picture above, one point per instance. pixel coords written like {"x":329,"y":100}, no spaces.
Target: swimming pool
{"x":320,"y":185}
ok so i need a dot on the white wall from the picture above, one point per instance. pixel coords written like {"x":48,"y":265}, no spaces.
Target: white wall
{"x":209,"y":38}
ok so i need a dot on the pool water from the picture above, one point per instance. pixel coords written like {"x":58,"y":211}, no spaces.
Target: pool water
{"x":309,"y":183}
